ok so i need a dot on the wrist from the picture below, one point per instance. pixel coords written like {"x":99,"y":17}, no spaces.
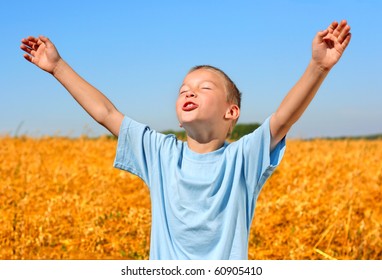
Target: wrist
{"x":318,"y":68}
{"x":58,"y":68}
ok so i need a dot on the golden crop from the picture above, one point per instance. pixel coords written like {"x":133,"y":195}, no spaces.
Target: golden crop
{"x":62,"y":199}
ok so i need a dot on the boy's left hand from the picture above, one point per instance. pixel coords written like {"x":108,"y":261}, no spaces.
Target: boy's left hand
{"x":329,"y":45}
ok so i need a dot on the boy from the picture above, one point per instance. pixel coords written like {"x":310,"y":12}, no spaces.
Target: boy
{"x":203,"y":191}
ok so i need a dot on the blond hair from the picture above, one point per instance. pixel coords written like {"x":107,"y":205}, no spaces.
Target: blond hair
{"x":233,"y":93}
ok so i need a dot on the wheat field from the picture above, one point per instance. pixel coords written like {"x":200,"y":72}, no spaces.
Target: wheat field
{"x":61,"y":198}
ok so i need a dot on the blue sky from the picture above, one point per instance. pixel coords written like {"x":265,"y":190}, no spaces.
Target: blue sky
{"x":137,"y":53}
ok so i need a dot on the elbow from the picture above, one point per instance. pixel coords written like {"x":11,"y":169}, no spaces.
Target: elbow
{"x":103,"y":113}
{"x":111,"y":120}
{"x":101,"y":116}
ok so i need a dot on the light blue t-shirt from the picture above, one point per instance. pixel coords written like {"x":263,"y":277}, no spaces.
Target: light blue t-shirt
{"x":202,"y":204}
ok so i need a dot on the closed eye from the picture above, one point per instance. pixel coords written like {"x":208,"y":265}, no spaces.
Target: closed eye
{"x":207,"y":86}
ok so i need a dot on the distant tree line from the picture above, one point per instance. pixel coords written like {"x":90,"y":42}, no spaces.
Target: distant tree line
{"x":243,"y":129}
{"x":239,"y":131}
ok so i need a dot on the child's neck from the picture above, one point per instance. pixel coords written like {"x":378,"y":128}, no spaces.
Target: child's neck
{"x":205,"y":138}
{"x":203,"y":147}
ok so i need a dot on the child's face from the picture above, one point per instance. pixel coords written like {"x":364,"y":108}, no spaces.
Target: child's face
{"x":202,"y":100}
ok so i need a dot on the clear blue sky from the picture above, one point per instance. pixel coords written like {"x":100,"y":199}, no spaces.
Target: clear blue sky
{"x":137,"y":53}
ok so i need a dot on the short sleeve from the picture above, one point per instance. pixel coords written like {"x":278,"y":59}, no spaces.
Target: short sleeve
{"x":259,"y":161}
{"x":137,"y":148}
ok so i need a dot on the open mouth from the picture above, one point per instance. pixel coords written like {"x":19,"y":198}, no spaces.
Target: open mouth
{"x":189,"y":106}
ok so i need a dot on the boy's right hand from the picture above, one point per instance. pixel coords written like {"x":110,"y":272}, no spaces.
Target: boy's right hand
{"x":41,"y":52}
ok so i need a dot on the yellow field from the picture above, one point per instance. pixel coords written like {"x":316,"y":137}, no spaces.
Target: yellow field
{"x":62,"y":199}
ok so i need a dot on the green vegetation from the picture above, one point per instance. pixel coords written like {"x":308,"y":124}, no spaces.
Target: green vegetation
{"x":243,"y":129}
{"x":239,"y":131}
{"x":180,"y":134}
{"x":360,"y":137}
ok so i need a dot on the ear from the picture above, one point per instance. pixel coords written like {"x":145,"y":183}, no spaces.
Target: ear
{"x":233,"y":112}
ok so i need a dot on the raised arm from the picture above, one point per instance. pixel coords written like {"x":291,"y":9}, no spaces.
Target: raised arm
{"x":42,"y":52}
{"x":327,"y":48}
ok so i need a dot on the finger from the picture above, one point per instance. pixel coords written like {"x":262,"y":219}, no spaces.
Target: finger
{"x":346,"y":42}
{"x":329,"y":40}
{"x":339,"y":28}
{"x":31,"y":39}
{"x":28,"y":42}
{"x":332,"y":26}
{"x":343,"y":34}
{"x":30,"y":53}
{"x":31,"y":42}
{"x":28,"y":57}
{"x":320,"y":37}
{"x":25,"y":48}
{"x":45,"y":40}
{"x":323,"y":33}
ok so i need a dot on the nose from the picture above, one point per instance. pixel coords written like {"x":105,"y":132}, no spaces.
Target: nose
{"x":191,"y":94}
